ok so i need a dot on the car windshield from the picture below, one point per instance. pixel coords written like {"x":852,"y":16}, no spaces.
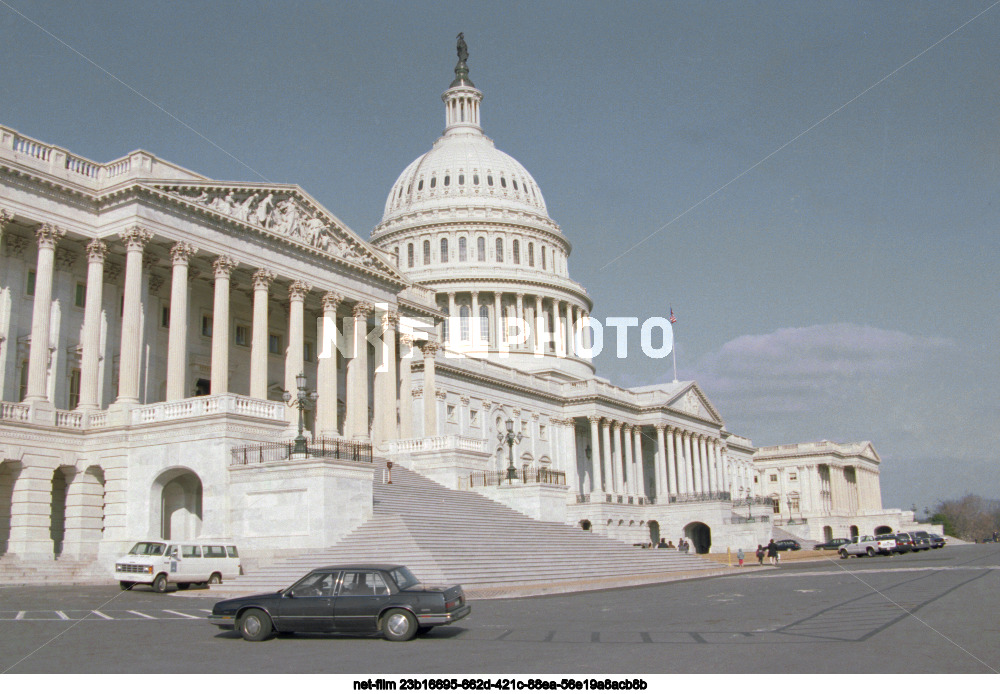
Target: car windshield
{"x":402,"y":577}
{"x":147,"y":549}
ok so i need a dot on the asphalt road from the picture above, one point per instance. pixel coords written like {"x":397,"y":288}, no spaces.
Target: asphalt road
{"x":929,"y":612}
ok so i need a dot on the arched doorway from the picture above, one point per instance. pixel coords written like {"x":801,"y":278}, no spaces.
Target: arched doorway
{"x":654,"y":531}
{"x":9,"y":471}
{"x":176,"y":498}
{"x":700,"y":536}
{"x":827,"y":533}
{"x":61,"y":479}
{"x":854,"y":531}
{"x":883,"y":530}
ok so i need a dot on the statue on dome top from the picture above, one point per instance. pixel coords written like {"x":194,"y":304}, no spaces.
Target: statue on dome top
{"x":463,"y":49}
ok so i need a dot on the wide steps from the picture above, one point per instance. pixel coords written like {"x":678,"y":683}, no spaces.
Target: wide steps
{"x":446,"y":535}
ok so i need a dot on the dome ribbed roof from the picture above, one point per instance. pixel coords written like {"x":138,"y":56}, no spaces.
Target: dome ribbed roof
{"x":464,"y":169}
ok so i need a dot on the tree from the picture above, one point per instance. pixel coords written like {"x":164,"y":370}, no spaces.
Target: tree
{"x":970,"y":518}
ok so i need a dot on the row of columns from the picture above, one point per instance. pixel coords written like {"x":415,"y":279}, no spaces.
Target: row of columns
{"x":564,"y":316}
{"x":616,"y":457}
{"x":135,"y":238}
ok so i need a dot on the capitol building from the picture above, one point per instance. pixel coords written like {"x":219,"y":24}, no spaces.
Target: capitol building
{"x":156,"y":326}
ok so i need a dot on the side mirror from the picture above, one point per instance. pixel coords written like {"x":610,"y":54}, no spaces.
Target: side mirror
{"x":289,"y":593}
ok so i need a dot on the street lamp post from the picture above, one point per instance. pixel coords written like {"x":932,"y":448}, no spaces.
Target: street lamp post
{"x":302,"y":399}
{"x":749,"y":507}
{"x":510,"y":438}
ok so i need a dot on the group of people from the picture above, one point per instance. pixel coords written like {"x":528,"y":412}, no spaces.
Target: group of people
{"x":771,"y":550}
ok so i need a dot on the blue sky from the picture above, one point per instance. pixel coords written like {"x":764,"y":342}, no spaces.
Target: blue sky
{"x":840,"y":285}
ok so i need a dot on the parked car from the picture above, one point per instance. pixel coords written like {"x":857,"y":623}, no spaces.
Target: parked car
{"x":866,"y":544}
{"x":916,"y":543}
{"x":835,"y":543}
{"x":157,"y":563}
{"x":937,"y":541}
{"x":366,"y":598}
{"x":923,"y":538}
{"x":904,"y":543}
{"x":786,"y":545}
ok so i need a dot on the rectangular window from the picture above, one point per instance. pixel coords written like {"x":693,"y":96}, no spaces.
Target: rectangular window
{"x":215,"y":552}
{"x":531,"y":255}
{"x":190,"y":551}
{"x":81,"y":295}
{"x":242,"y":335}
{"x":307,"y":351}
{"x":206,"y":325}
{"x":461,"y":249}
{"x":541,"y":431}
{"x":516,"y":252}
{"x":30,"y":288}
{"x":164,"y":316}
{"x":793,"y":504}
{"x":452,"y":416}
{"x":499,"y":250}
{"x":23,"y":389}
{"x":524,"y":427}
{"x":792,"y":477}
{"x":776,"y":505}
{"x":409,"y":255}
{"x":274,"y":344}
{"x":474,"y":418}
{"x":74,"y":389}
{"x":773,"y":478}
{"x":543,"y":257}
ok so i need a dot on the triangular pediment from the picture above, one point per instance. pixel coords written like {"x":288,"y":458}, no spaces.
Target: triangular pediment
{"x":868,"y":451}
{"x":692,"y":400}
{"x":284,"y":212}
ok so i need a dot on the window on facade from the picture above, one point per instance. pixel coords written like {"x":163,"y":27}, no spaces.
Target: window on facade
{"x":409,"y":255}
{"x":543,"y":257}
{"x":463,"y":313}
{"x":29,"y":289}
{"x":444,"y":250}
{"x":420,"y":184}
{"x":452,"y":414}
{"x":481,"y":249}
{"x":541,"y":431}
{"x":773,"y":478}
{"x":80,"y":299}
{"x":475,"y":179}
{"x":307,"y":351}
{"x":23,"y":385}
{"x":447,"y":180}
{"x":484,"y":324}
{"x":514,"y":181}
{"x":489,"y":181}
{"x":515,"y":249}
{"x":776,"y":505}
{"x":531,"y":255}
{"x":462,"y":243}
{"x":793,"y":504}
{"x":242,"y":335}
{"x":274,"y":344}
{"x":792,"y":477}
{"x":427,"y":252}
{"x":206,"y":325}
{"x":74,"y":388}
{"x":503,"y":182}
{"x":499,"y":250}
{"x":461,"y":179}
{"x":165,"y":316}
{"x":474,"y":418}
{"x":433,"y":182}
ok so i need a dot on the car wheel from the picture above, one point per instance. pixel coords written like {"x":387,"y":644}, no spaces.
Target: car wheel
{"x":125,"y":585}
{"x":215,"y":579}
{"x":871,"y":552}
{"x":160,"y":583}
{"x":844,"y":554}
{"x":183,"y":586}
{"x":255,"y":625}
{"x":399,"y":625}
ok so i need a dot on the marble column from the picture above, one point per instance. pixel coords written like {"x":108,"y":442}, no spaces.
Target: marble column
{"x":430,"y":349}
{"x":713,"y":463}
{"x":453,"y":322}
{"x":500,"y":336}
{"x":606,"y":459}
{"x":629,"y":486}
{"x":568,"y":331}
{"x":295,"y":351}
{"x":327,"y":388}
{"x":180,"y":254}
{"x":41,"y":314}
{"x":223,"y":267}
{"x":685,"y":482}
{"x":97,"y":251}
{"x":671,"y":479}
{"x":595,"y":455}
{"x":520,"y":316}
{"x":384,"y":426}
{"x":406,"y":386}
{"x":618,"y":476}
{"x":262,"y":280}
{"x":691,"y":453}
{"x":135,"y":239}
{"x":570,"y":465}
{"x":640,"y":476}
{"x":475,"y":325}
{"x":356,"y":424}
{"x":660,"y":471}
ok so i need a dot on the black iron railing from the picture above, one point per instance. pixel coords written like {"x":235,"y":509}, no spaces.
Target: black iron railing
{"x":740,"y":520}
{"x":275,"y":451}
{"x":525,"y":475}
{"x":704,"y":496}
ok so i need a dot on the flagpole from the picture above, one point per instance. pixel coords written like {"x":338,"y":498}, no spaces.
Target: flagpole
{"x":673,"y":347}
{"x":674,"y":350}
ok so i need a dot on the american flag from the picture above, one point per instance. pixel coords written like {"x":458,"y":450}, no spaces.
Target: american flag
{"x":673,"y":318}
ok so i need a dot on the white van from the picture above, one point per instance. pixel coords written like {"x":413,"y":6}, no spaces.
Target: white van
{"x":157,"y":563}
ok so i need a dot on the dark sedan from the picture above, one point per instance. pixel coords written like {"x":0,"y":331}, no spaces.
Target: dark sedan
{"x":382,"y":598}
{"x":787,"y":545}
{"x":833,"y":544}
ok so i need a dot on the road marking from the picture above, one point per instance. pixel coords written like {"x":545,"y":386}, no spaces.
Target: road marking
{"x":141,"y":614}
{"x":62,"y":615}
{"x":189,"y":616}
{"x":101,"y":614}
{"x":20,"y":615}
{"x":204,"y":610}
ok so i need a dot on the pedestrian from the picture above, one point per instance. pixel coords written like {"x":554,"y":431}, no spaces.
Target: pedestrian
{"x":760,"y":555}
{"x":772,"y":552}
{"x":739,"y":555}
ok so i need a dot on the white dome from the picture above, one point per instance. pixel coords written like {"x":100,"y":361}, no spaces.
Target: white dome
{"x":464,"y":169}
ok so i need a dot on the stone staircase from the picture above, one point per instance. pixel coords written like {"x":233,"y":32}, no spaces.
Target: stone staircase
{"x":448,"y":536}
{"x":62,"y":571}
